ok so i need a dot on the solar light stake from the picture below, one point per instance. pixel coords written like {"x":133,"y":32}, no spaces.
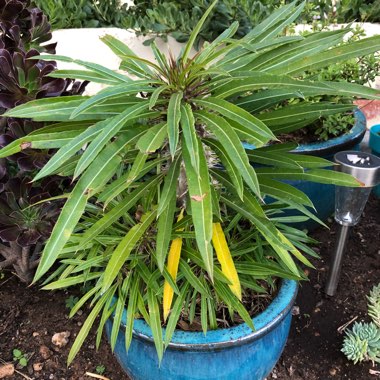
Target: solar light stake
{"x":350,"y":203}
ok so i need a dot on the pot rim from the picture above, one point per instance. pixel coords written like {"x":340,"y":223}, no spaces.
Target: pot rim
{"x":343,"y":142}
{"x":264,"y":323}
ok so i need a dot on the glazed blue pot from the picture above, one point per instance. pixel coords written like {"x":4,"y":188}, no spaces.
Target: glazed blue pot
{"x":322,"y":195}
{"x":236,"y":353}
{"x":374,"y":143}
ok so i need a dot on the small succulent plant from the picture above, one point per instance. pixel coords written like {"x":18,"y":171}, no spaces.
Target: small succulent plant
{"x":354,"y":348}
{"x":374,"y":304}
{"x":362,"y":343}
{"x":25,"y":223}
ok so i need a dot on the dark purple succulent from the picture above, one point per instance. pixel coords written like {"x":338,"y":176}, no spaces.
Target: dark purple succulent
{"x":22,"y":79}
{"x":23,"y":27}
{"x":25,"y":225}
{"x":22,"y":221}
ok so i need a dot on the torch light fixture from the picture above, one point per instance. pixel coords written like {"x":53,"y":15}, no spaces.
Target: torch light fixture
{"x":350,"y":203}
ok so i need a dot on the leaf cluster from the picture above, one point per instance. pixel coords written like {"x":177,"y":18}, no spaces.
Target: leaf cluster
{"x":65,"y":14}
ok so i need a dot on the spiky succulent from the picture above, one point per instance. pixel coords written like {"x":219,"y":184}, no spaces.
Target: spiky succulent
{"x":374,"y":304}
{"x":354,"y":348}
{"x":362,"y":343}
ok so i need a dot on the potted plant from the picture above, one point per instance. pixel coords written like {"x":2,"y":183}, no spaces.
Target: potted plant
{"x":321,"y":135}
{"x":167,"y":213}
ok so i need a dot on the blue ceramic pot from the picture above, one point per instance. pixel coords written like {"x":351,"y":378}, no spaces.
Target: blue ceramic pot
{"x":374,"y":143}
{"x":235,"y":353}
{"x":323,"y":196}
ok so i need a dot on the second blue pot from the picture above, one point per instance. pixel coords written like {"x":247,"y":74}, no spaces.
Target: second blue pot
{"x":322,"y":195}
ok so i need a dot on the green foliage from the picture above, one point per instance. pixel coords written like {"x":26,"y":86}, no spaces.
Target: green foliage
{"x":156,"y":148}
{"x":358,"y":10}
{"x":362,"y":343}
{"x":100,"y":369}
{"x":361,"y":70}
{"x":65,"y":14}
{"x":334,"y":125}
{"x":178,"y":18}
{"x":374,"y":304}
{"x":20,"y":358}
{"x":71,"y":301}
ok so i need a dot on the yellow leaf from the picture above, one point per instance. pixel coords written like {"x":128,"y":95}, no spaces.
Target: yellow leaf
{"x":172,"y":267}
{"x":225,"y":259}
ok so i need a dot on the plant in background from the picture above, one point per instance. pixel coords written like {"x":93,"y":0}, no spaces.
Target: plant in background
{"x":362,"y":343}
{"x":358,"y":10}
{"x":361,"y":70}
{"x":24,"y":226}
{"x":65,"y":14}
{"x":168,"y":213}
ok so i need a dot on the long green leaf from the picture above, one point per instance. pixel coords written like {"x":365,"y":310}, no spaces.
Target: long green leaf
{"x":196,"y":31}
{"x":122,"y":50}
{"x":173,"y":118}
{"x":118,"y":211}
{"x":155,"y":323}
{"x":131,"y":311}
{"x":120,"y":304}
{"x":152,"y":139}
{"x":201,"y":204}
{"x":164,"y":232}
{"x":69,"y":150}
{"x":228,"y":164}
{"x":98,"y":173}
{"x":338,"y":54}
{"x":189,"y":134}
{"x":45,"y":141}
{"x":109,"y":131}
{"x":170,"y":184}
{"x":124,"y":248}
{"x":89,"y":65}
{"x":233,"y":147}
{"x":113,"y":92}
{"x":84,"y":331}
{"x":89,"y":75}
{"x":239,"y":115}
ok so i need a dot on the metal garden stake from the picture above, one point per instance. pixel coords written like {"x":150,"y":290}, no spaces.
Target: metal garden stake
{"x":350,"y":203}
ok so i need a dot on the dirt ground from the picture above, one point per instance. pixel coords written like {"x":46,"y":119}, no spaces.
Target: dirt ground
{"x":29,"y":318}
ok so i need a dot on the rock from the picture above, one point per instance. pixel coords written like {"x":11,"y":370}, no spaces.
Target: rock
{"x":296,"y":310}
{"x":37,"y":367}
{"x":332,"y":371}
{"x":51,"y":365}
{"x":45,"y":352}
{"x":35,"y":334}
{"x":6,"y":370}
{"x":61,"y":339}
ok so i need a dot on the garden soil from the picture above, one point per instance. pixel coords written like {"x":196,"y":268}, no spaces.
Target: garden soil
{"x":29,"y":318}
